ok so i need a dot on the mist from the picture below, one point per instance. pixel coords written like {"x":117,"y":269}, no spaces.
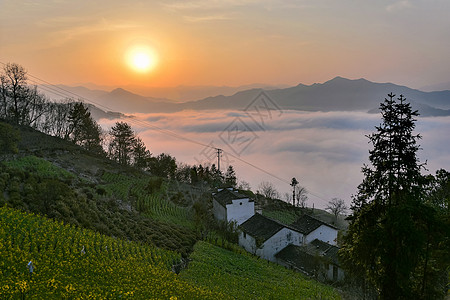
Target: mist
{"x":323,"y":150}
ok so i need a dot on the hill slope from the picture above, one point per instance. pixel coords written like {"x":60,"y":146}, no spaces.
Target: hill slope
{"x":71,"y":262}
{"x":58,"y":179}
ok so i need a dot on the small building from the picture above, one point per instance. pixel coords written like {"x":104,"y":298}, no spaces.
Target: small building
{"x":265,"y":237}
{"x":231,"y":206}
{"x":312,"y":229}
{"x":318,"y":259}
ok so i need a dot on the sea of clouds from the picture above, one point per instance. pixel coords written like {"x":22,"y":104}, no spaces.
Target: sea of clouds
{"x":323,"y":150}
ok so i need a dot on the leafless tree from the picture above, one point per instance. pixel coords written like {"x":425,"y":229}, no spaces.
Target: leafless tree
{"x":336,"y":206}
{"x":301,"y":193}
{"x":268,"y":190}
{"x":244,"y":185}
{"x":287,"y":197}
{"x":19,"y":103}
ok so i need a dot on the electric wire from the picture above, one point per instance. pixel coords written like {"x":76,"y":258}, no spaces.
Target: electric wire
{"x":52,"y":88}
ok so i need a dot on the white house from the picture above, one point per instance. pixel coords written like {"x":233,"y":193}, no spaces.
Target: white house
{"x":231,"y":206}
{"x":313,"y":228}
{"x":265,"y":237}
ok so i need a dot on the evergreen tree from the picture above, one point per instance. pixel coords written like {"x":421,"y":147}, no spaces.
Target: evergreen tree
{"x":230,"y":177}
{"x":387,"y":234}
{"x":122,"y":143}
{"x":163,"y":165}
{"x":84,"y":129}
{"x":141,"y":156}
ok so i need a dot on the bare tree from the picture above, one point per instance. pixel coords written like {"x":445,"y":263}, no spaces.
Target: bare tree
{"x":19,"y":103}
{"x":301,"y":195}
{"x":287,"y":197}
{"x":336,"y":206}
{"x":244,"y":185}
{"x":268,"y":190}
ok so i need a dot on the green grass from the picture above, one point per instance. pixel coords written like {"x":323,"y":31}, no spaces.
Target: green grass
{"x":34,"y":164}
{"x":284,"y":216}
{"x":242,"y":276}
{"x":155,"y":205}
{"x":109,"y":268}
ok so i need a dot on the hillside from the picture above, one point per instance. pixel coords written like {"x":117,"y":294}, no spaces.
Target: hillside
{"x":73,"y":262}
{"x":69,"y":211}
{"x":58,"y":179}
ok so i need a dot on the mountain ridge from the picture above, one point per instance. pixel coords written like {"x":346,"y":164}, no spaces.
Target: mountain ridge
{"x":336,"y":94}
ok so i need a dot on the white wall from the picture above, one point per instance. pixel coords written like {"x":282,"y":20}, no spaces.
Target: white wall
{"x":278,"y":242}
{"x":240,"y":210}
{"x":219,"y":211}
{"x":248,"y":242}
{"x":323,"y":233}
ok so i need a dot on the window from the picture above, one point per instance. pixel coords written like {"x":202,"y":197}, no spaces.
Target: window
{"x":240,"y":203}
{"x":289,"y":236}
{"x":245,"y":235}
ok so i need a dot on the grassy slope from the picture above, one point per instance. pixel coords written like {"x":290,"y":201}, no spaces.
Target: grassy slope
{"x":109,"y":267}
{"x":103,"y":196}
{"x":93,"y":192}
{"x":242,"y":276}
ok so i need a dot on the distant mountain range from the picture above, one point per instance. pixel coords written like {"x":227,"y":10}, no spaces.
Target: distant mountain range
{"x":338,"y":94}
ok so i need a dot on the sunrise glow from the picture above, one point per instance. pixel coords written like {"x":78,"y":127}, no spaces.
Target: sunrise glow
{"x":141,"y":58}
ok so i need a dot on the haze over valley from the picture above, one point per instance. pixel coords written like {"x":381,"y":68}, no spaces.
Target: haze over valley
{"x":315,"y":133}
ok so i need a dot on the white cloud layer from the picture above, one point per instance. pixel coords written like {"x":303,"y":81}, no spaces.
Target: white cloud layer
{"x":324,"y":151}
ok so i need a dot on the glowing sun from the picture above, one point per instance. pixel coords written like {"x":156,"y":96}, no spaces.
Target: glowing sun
{"x":141,"y":58}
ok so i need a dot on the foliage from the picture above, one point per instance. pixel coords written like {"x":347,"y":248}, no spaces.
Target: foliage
{"x":9,"y":137}
{"x":84,"y":130}
{"x":38,"y":186}
{"x":45,"y":169}
{"x":230,"y":177}
{"x":241,"y":276}
{"x":122,"y":142}
{"x":70,"y":262}
{"x":387,"y":238}
{"x":148,"y":196}
{"x":141,"y":156}
{"x":163,"y":165}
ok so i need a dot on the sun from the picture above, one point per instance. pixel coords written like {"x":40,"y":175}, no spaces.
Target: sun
{"x":141,"y":58}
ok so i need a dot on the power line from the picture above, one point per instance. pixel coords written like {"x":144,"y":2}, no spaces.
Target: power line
{"x":52,"y":88}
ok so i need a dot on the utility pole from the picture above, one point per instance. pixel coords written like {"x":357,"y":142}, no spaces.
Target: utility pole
{"x":294,"y":183}
{"x":219,"y":153}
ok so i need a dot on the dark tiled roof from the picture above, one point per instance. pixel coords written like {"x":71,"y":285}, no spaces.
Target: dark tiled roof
{"x":326,"y":250}
{"x":307,"y":224}
{"x":297,"y":257}
{"x":226,"y":196}
{"x":302,"y":256}
{"x":260,"y":227}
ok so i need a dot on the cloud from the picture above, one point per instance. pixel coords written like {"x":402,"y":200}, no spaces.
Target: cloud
{"x":324,"y":150}
{"x":399,"y":6}
{"x":208,"y":18}
{"x":207,"y":4}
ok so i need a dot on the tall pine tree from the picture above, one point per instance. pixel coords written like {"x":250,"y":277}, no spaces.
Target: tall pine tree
{"x":387,"y":234}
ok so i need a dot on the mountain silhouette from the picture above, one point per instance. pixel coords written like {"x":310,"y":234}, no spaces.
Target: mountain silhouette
{"x":337,"y":94}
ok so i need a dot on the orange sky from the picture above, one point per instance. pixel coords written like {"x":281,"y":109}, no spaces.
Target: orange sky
{"x":230,"y":42}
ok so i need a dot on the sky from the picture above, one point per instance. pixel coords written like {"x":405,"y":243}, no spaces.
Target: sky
{"x":239,"y":42}
{"x":228,"y":42}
